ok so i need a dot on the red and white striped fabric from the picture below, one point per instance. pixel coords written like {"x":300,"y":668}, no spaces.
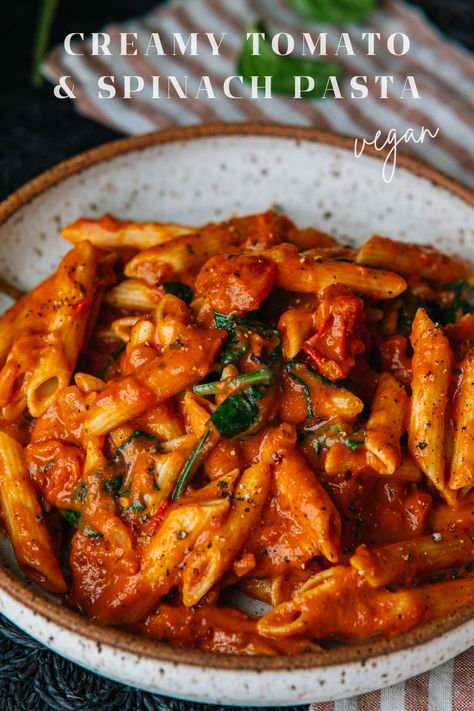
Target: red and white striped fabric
{"x":444,"y":73}
{"x":447,"y":688}
{"x":445,"y":76}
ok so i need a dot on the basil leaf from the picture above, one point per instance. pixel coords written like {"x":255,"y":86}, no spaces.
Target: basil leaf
{"x":177,"y":288}
{"x":190,"y":467}
{"x":333,"y":10}
{"x":289,"y":369}
{"x":283,"y":69}
{"x":110,"y":359}
{"x":238,"y":412}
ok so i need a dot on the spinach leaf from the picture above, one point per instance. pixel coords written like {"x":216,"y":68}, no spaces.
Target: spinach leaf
{"x":190,"y":467}
{"x":225,"y":322}
{"x":283,"y":69}
{"x":289,"y":367}
{"x":138,"y":506}
{"x":112,"y":485}
{"x":355,"y":440}
{"x":80,"y":491}
{"x":462,"y":301}
{"x":238,"y":412}
{"x":458,"y":300}
{"x":333,"y":10}
{"x":92,"y":533}
{"x":72,"y":517}
{"x":110,"y":359}
{"x":177,"y":288}
{"x":237,"y":342}
{"x":255,"y":377}
{"x":135,"y":434}
{"x":239,"y":331}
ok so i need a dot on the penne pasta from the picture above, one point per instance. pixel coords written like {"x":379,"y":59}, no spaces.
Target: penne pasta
{"x":133,"y":295}
{"x":386,"y":424}
{"x":307,"y":275}
{"x":312,"y":508}
{"x":462,"y":462}
{"x":432,"y":365}
{"x":163,"y":262}
{"x":402,"y":562}
{"x":161,"y":378}
{"x":215,"y":552}
{"x":24,"y":521}
{"x":408,"y":259}
{"x":108,"y":231}
{"x":44,"y":353}
{"x":242,"y":412}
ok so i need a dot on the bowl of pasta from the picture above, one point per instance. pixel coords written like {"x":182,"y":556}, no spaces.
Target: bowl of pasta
{"x":236,"y":432}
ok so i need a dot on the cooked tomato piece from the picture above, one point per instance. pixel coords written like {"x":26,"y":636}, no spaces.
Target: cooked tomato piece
{"x":341,"y":333}
{"x":236,"y":283}
{"x":56,"y":469}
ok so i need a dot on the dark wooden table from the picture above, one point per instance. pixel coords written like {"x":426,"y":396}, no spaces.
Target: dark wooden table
{"x":37,"y":131}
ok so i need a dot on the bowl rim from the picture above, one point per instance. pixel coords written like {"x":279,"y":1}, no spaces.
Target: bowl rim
{"x":77,"y":624}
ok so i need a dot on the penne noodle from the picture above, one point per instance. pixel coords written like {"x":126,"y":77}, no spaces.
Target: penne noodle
{"x":311,"y":506}
{"x":295,"y":326}
{"x":24,"y":520}
{"x":305,"y":274}
{"x":163,"y":262}
{"x":462,"y":462}
{"x":176,"y":536}
{"x":214,"y":553}
{"x":387,"y":423}
{"x":153,"y":382}
{"x":308,"y":610}
{"x":44,"y":353}
{"x":110,"y":232}
{"x":461,"y":515}
{"x":432,"y":366}
{"x":133,"y":295}
{"x":402,"y":562}
{"x":312,"y":238}
{"x":327,"y":399}
{"x":407,"y":259}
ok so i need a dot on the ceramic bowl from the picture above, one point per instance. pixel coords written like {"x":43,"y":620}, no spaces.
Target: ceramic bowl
{"x":193,"y":175}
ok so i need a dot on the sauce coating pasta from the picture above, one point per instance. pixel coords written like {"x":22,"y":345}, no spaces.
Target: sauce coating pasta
{"x":199,"y":415}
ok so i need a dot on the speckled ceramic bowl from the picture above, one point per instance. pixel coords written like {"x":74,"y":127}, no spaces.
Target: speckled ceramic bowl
{"x":194,"y":175}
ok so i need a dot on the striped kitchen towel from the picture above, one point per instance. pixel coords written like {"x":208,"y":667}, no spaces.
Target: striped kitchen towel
{"x":447,"y":688}
{"x":443,"y":70}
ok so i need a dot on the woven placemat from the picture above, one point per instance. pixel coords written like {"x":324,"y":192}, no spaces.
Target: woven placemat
{"x":34,"y":678}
